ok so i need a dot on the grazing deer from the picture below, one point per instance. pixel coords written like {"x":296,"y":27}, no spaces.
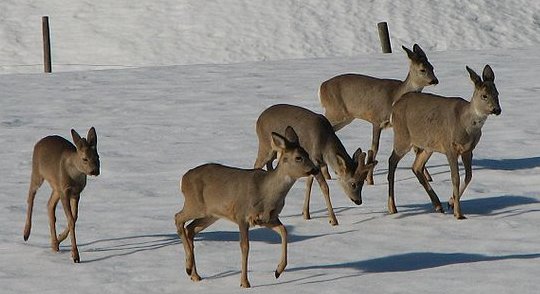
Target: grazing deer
{"x":349,"y":96}
{"x":65,"y":168}
{"x":447,"y":125}
{"x":317,"y":136}
{"x":246,"y":197}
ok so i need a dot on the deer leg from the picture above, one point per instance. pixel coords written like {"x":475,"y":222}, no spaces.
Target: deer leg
{"x":422,"y":157}
{"x":51,"y":210}
{"x":180,"y":219}
{"x":424,"y":169}
{"x":392,"y":165}
{"x":244,"y":246}
{"x":265,"y":156}
{"x":375,"y":147}
{"x":467,"y":164}
{"x":326,"y":193}
{"x":66,"y":204}
{"x":454,"y":171}
{"x":325,"y":172}
{"x":307,"y":197}
{"x":35,"y":182}
{"x":279,"y":228}
{"x":193,"y":229}
{"x":75,"y":213}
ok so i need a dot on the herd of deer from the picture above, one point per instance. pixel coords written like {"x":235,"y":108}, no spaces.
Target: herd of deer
{"x":305,"y":145}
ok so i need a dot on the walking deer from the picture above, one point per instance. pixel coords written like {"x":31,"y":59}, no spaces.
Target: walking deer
{"x":448,"y":125}
{"x":349,"y":96}
{"x":247,"y":197}
{"x":317,"y":136}
{"x":65,"y":167}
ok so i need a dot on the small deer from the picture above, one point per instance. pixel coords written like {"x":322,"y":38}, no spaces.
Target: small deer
{"x":448,"y":125}
{"x":317,"y":136}
{"x":65,"y":167}
{"x":349,"y":96}
{"x":247,"y":197}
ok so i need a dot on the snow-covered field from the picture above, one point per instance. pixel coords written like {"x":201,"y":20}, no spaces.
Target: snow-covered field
{"x":156,"y":122}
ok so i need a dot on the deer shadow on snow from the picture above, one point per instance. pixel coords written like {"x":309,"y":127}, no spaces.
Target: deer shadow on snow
{"x":412,"y":261}
{"x":488,"y":206}
{"x":128,"y":245}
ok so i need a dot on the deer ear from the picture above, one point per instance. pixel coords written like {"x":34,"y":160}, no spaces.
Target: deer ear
{"x":488,"y":74}
{"x":278,"y":142}
{"x":342,"y":165}
{"x":76,"y":138}
{"x":419,"y":51}
{"x":359,"y":156}
{"x":91,"y":137}
{"x":291,"y":135}
{"x":410,"y":54}
{"x":474,"y":76}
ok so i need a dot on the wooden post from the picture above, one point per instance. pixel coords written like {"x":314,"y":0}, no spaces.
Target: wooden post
{"x":384,"y":36}
{"x":47,"y":65}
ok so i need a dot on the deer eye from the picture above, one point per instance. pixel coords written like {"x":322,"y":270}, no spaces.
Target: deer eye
{"x":484,"y":97}
{"x":422,"y":70}
{"x":85,"y":159}
{"x":298,"y":159}
{"x":354,"y":185}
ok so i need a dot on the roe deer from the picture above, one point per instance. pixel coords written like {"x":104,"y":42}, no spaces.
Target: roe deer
{"x":318,"y":138}
{"x":65,"y":168}
{"x":448,"y":125}
{"x":349,"y":96}
{"x":246,"y":197}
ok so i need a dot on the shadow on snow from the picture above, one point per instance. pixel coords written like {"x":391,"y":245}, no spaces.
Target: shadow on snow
{"x":480,"y":206}
{"x":415,"y":261}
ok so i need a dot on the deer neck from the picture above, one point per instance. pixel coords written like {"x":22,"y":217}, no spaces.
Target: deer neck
{"x":407,"y":86}
{"x":70,"y":167}
{"x":473,"y":118}
{"x":277,"y":184}
{"x":330,"y":156}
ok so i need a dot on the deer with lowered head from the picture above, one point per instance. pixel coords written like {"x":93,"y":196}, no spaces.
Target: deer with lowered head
{"x":349,"y":96}
{"x":448,"y":125}
{"x":65,"y":167}
{"x":325,"y":149}
{"x":247,"y":197}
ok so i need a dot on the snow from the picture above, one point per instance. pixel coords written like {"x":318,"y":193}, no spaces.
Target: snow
{"x":155,"y":122}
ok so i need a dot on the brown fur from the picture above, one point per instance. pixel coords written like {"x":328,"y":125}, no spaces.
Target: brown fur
{"x":65,"y":167}
{"x":448,"y":125}
{"x":247,"y":197}
{"x":324,"y":148}
{"x":349,"y":96}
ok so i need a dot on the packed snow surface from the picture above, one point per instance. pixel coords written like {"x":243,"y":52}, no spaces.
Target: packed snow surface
{"x":155,"y":122}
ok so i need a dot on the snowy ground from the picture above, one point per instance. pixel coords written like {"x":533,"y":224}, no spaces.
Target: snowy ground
{"x":97,"y":34}
{"x":155,"y":123}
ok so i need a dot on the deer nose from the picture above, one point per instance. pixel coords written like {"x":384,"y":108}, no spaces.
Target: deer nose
{"x":434,"y":81}
{"x":496,"y":111}
{"x":95,"y":172}
{"x":357,"y":202}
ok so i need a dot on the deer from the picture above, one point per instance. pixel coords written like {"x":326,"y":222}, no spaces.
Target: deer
{"x":247,"y":197}
{"x":65,"y":167}
{"x":325,"y":149}
{"x":349,"y":96}
{"x":448,"y":125}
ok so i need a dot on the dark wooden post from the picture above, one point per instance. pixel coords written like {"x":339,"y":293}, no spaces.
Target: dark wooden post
{"x":47,"y":65}
{"x":384,"y":36}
